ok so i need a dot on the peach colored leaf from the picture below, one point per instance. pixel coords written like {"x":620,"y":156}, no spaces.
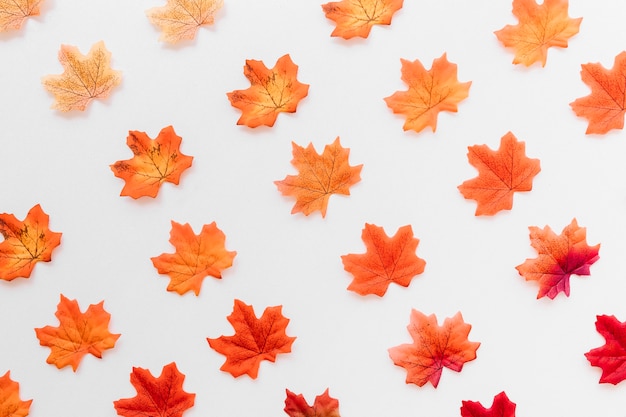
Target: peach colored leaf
{"x":501,"y":407}
{"x":356,"y":17}
{"x":11,"y":405}
{"x":180,"y":19}
{"x":85,"y":77}
{"x":324,"y":406}
{"x":611,"y":357}
{"x":13,"y":13}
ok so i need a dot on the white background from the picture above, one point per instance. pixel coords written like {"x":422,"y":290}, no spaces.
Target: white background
{"x":532,"y":349}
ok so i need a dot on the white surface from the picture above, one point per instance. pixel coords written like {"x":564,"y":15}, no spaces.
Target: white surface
{"x":532,"y":349}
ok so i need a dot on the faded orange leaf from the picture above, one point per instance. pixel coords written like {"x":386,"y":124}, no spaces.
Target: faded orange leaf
{"x":11,"y":405}
{"x":180,"y":19}
{"x":13,"y":13}
{"x":356,"y":17}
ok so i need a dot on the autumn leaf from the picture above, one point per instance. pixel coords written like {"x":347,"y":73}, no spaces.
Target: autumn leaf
{"x":85,"y":77}
{"x":324,"y":406}
{"x":196,"y":257}
{"x":387,"y":260}
{"x":155,"y":161}
{"x":77,"y":334}
{"x":430,"y":92}
{"x":611,"y":357}
{"x":604,"y":108}
{"x":271,"y":91}
{"x":356,"y":17}
{"x":180,"y":19}
{"x":13,"y":13}
{"x":540,"y":27}
{"x":319,"y":176}
{"x":501,"y":407}
{"x":434,"y":347}
{"x":500,"y":174}
{"x":558,"y":258}
{"x":156,"y":397}
{"x":254,"y":339}
{"x":25,"y":243}
{"x":11,"y":405}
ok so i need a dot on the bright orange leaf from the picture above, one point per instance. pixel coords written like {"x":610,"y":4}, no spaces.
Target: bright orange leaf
{"x":13,"y":13}
{"x":324,"y":406}
{"x":155,"y":161}
{"x":500,"y":174}
{"x":180,"y":19}
{"x":254,"y":340}
{"x":430,"y":92}
{"x":501,"y":407}
{"x":559,"y":256}
{"x":434,"y":347}
{"x":77,"y":334}
{"x":196,"y":257}
{"x":11,"y":405}
{"x":604,"y":108}
{"x":271,"y":91}
{"x":356,"y":17}
{"x":319,"y":176}
{"x":156,"y":397}
{"x":540,"y":27}
{"x":25,"y":243}
{"x":387,"y":260}
{"x":85,"y":77}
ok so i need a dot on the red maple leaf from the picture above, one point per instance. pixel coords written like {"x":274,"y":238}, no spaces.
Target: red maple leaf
{"x":387,"y":260}
{"x":501,"y":407}
{"x":559,"y":257}
{"x":324,"y":406}
{"x":612,"y":356}
{"x":255,"y":339}
{"x":156,"y":397}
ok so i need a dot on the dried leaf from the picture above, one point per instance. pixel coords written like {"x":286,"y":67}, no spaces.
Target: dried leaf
{"x":155,"y":161}
{"x":271,"y":92}
{"x":11,"y":405}
{"x":25,"y":243}
{"x":319,"y":176}
{"x":85,"y":77}
{"x":430,"y":92}
{"x":611,"y":357}
{"x":180,"y":19}
{"x":356,"y":17}
{"x":501,"y":407}
{"x":13,"y":13}
{"x":324,"y":406}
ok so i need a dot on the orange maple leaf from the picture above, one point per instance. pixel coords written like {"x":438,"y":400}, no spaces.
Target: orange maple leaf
{"x":180,"y":19}
{"x":434,"y":347}
{"x":85,"y":77}
{"x":540,"y":27}
{"x":387,"y":260}
{"x":319,"y":176}
{"x":430,"y":92}
{"x":25,"y":243}
{"x":500,"y":174}
{"x":77,"y":334}
{"x":13,"y":13}
{"x":559,"y":256}
{"x":271,"y":91}
{"x":254,"y":340}
{"x":156,"y":161}
{"x":11,"y":405}
{"x":606,"y":105}
{"x":324,"y":406}
{"x":356,"y":18}
{"x":196,"y":257}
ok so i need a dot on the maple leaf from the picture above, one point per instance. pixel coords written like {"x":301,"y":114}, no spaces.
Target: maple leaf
{"x":25,"y":243}
{"x":611,"y":357}
{"x":13,"y":13}
{"x":77,"y":334}
{"x":540,"y":27}
{"x":606,"y":105}
{"x":434,"y":347}
{"x":324,"y":406}
{"x":319,"y":176}
{"x":11,"y":405}
{"x":254,"y":339}
{"x":271,"y":91}
{"x":386,"y":260}
{"x":156,"y":397}
{"x":356,"y":17}
{"x":196,"y":257}
{"x":85,"y":77}
{"x":500,"y":174}
{"x":558,"y":258}
{"x":501,"y":407}
{"x":430,"y":92}
{"x":180,"y":19}
{"x":155,"y":161}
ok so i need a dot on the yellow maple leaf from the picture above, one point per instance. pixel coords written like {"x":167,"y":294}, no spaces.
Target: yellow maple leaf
{"x":180,"y":19}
